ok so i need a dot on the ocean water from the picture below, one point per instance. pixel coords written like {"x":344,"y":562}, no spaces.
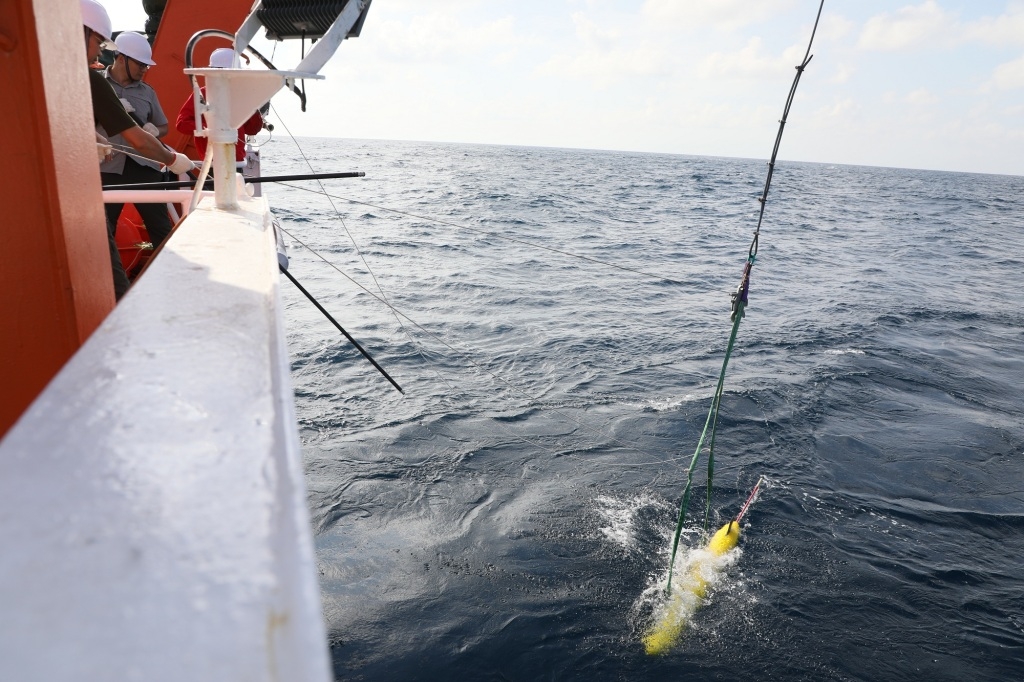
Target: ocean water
{"x":562,"y":318}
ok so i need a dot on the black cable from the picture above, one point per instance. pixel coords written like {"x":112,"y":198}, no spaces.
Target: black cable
{"x":189,"y":184}
{"x":782,"y":125}
{"x":341,"y":329}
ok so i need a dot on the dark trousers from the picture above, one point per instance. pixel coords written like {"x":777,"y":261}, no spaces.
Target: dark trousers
{"x":158,"y":223}
{"x":121,"y":282}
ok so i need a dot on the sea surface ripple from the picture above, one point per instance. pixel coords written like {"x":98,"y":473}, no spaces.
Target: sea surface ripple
{"x":502,"y":519}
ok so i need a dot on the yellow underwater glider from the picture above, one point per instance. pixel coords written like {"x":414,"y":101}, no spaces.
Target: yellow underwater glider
{"x":684,"y":601}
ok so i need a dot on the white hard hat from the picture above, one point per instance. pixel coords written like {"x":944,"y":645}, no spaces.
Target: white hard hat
{"x":222,"y":58}
{"x":136,"y":46}
{"x":95,"y":17}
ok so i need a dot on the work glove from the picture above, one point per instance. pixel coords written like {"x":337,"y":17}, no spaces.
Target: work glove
{"x":127,"y":105}
{"x":180,"y":164}
{"x":104,"y":150}
{"x":151,"y":129}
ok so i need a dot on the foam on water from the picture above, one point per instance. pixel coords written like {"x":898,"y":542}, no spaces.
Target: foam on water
{"x":693,"y":561}
{"x":619,"y":517}
{"x":698,"y":573}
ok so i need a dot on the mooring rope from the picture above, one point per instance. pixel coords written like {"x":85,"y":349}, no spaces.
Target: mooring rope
{"x":739,"y":304}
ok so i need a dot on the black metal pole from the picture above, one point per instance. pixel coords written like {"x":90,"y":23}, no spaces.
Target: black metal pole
{"x":341,"y":329}
{"x":188,"y":184}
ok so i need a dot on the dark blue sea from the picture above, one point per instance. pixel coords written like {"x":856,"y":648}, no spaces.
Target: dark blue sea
{"x":558,"y":320}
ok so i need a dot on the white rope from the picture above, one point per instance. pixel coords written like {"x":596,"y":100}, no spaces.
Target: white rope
{"x":122,"y":149}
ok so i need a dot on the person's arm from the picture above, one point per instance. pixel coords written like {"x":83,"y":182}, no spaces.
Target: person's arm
{"x":107,"y":110}
{"x":254,"y":125}
{"x":154,"y":129}
{"x":152,"y":148}
{"x":109,"y":113}
{"x":147,"y":145}
{"x":186,"y":122}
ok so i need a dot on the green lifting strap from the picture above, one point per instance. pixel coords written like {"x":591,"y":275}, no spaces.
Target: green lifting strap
{"x":739,"y":305}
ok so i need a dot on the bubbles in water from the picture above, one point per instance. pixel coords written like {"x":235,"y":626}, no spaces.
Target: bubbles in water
{"x":668,"y":404}
{"x":619,"y":517}
{"x":662,"y":619}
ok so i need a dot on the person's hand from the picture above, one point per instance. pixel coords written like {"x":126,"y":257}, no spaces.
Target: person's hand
{"x":104,"y":150}
{"x":127,"y":105}
{"x":151,"y":129}
{"x":180,"y":164}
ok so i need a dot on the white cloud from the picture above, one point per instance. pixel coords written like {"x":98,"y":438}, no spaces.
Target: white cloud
{"x":590,"y":33}
{"x":1006,"y":29}
{"x":842,"y":74}
{"x":601,"y":60}
{"x":409,"y":6}
{"x":833,"y":28}
{"x":1008,"y":76}
{"x":839,"y":108}
{"x":725,"y":15}
{"x":1015,"y":111}
{"x":921,"y":97}
{"x":928,"y":25}
{"x":605,"y":68}
{"x":925,"y":24}
{"x":437,"y":36}
{"x":749,"y":62}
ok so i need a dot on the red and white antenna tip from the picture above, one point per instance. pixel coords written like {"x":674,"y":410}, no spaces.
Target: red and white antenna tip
{"x":750,"y":499}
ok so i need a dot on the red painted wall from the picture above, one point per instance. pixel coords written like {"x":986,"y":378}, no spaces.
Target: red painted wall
{"x":55,"y":281}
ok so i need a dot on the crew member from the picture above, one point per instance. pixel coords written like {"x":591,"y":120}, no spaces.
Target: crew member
{"x":133,"y":60}
{"x":112,"y":119}
{"x":221,"y":58}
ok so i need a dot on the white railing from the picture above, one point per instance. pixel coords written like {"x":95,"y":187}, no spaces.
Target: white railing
{"x":152,"y":506}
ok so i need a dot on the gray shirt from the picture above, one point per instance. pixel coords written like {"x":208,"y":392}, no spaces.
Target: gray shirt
{"x":142,"y":98}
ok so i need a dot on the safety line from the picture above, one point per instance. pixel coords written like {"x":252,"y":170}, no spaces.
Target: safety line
{"x":123,"y":149}
{"x":336,"y":211}
{"x":712,"y":419}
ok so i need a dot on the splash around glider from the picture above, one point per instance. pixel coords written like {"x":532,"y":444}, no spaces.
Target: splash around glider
{"x":690,"y":591}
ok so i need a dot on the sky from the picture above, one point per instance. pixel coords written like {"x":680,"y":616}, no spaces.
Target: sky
{"x":933,"y":84}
